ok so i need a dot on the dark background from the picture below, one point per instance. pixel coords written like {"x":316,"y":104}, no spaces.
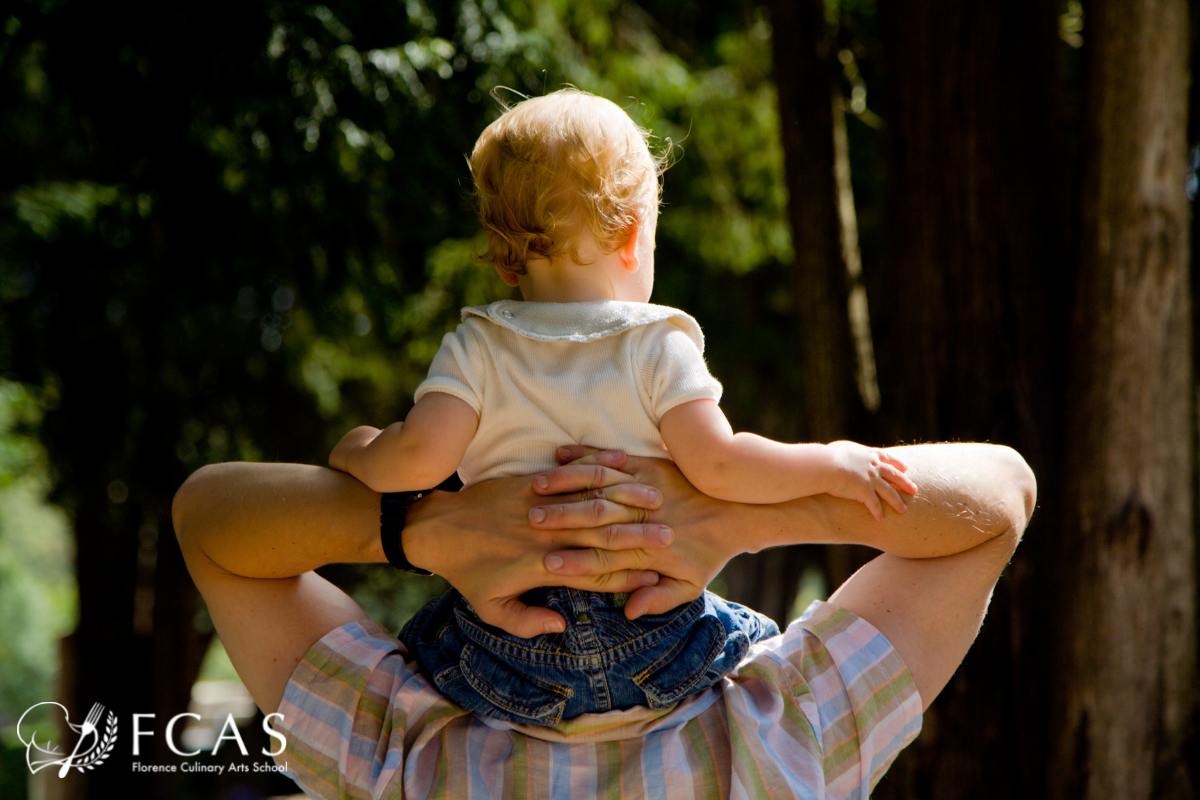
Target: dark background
{"x":234,"y":231}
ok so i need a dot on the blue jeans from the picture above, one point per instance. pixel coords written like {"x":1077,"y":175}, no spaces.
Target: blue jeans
{"x":601,"y":662}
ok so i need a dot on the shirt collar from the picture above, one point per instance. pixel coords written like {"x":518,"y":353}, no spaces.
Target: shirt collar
{"x":580,"y":322}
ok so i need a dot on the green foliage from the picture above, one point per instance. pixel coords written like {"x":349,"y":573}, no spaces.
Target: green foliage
{"x":242,"y":250}
{"x":37,"y":593}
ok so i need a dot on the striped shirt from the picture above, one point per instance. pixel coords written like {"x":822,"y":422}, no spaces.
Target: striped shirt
{"x":817,"y":713}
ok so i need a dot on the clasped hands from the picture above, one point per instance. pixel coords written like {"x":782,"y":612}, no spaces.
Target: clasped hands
{"x":604,"y":531}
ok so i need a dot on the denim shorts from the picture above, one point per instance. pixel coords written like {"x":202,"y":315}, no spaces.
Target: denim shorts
{"x":601,"y":662}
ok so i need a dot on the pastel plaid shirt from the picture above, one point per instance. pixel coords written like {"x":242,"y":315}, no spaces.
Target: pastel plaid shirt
{"x":819,"y":712}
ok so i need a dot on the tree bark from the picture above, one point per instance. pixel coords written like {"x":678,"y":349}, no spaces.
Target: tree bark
{"x":803,"y":58}
{"x":975,"y":277}
{"x":970,"y":333}
{"x":1126,"y":665}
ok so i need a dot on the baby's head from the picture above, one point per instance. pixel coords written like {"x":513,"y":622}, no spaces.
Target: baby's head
{"x":553,"y":169}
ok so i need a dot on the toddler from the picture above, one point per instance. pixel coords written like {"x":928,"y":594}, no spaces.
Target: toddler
{"x":569,"y":194}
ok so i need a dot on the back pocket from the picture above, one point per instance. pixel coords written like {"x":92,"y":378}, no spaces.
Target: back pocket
{"x":522,"y":696}
{"x":684,"y":668}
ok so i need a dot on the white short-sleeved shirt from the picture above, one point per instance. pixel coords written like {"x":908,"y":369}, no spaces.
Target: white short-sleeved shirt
{"x":542,"y":375}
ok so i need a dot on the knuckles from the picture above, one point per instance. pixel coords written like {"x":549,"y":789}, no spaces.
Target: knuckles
{"x":612,"y":537}
{"x":596,"y":478}
{"x":595,"y":510}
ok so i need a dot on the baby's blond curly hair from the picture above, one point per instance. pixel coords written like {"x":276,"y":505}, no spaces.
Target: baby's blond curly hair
{"x":549,"y":166}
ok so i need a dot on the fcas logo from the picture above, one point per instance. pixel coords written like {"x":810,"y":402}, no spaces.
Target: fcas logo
{"x":90,"y":748}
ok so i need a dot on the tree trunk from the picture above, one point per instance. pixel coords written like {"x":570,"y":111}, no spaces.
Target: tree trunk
{"x":828,"y":406}
{"x":1126,"y":665}
{"x":803,"y":59}
{"x":969,"y":331}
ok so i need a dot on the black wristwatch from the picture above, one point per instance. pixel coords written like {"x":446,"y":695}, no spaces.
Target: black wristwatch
{"x":393,"y":507}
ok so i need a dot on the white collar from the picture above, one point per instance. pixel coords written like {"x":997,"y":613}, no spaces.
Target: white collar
{"x":581,"y":322}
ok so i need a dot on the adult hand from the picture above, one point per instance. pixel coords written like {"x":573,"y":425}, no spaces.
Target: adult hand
{"x":686,"y":567}
{"x":485,"y":542}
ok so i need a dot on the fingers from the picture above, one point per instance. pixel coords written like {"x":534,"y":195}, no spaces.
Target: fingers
{"x":886,"y":493}
{"x":874,"y":504}
{"x":611,"y":539}
{"x":887,"y":457}
{"x":526,"y":621}
{"x":661,"y":598}
{"x":634,"y":495}
{"x":582,"y":454}
{"x":595,"y":513}
{"x":897,"y":478}
{"x":890,"y":478}
{"x":595,"y":561}
{"x":511,"y":615}
{"x":617,"y":580}
{"x":519,"y":619}
{"x":577,"y":478}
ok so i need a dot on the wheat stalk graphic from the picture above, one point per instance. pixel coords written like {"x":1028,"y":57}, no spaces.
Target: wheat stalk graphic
{"x":100,"y":753}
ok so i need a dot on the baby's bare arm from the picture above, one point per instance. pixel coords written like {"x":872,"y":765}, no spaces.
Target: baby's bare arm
{"x":417,"y":454}
{"x":746,"y":468}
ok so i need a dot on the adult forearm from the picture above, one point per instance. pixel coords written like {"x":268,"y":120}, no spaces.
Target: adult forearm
{"x":275,"y":520}
{"x":969,"y":494}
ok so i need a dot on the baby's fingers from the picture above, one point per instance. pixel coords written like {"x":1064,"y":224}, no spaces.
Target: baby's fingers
{"x":873,"y":504}
{"x":887,"y":494}
{"x":887,"y":457}
{"x":898,"y":479}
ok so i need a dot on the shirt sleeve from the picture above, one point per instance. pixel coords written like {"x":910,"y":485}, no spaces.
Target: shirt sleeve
{"x":856,"y":692}
{"x":347,"y":711}
{"x":457,"y":367}
{"x":673,"y":369}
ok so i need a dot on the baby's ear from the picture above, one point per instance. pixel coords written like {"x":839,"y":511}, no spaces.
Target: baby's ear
{"x":629,"y":249}
{"x":511,"y":278}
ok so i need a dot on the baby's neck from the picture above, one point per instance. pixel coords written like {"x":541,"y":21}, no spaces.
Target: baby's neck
{"x":534,"y":293}
{"x":564,"y":281}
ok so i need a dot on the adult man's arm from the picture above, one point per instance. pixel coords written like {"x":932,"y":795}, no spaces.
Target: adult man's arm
{"x":927,"y":593}
{"x":928,"y":598}
{"x":252,"y":534}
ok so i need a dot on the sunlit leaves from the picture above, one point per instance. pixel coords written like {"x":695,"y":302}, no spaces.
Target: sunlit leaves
{"x":41,"y":205}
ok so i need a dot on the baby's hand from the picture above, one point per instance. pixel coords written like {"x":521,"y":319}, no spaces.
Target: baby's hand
{"x":868,"y":475}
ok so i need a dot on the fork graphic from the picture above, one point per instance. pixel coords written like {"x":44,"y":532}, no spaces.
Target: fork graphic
{"x":89,"y":727}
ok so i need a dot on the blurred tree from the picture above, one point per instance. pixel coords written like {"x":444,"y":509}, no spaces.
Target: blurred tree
{"x":804,"y":51}
{"x":834,"y":359}
{"x":1020,"y":309}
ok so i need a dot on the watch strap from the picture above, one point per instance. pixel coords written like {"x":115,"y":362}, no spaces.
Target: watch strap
{"x":393,"y":508}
